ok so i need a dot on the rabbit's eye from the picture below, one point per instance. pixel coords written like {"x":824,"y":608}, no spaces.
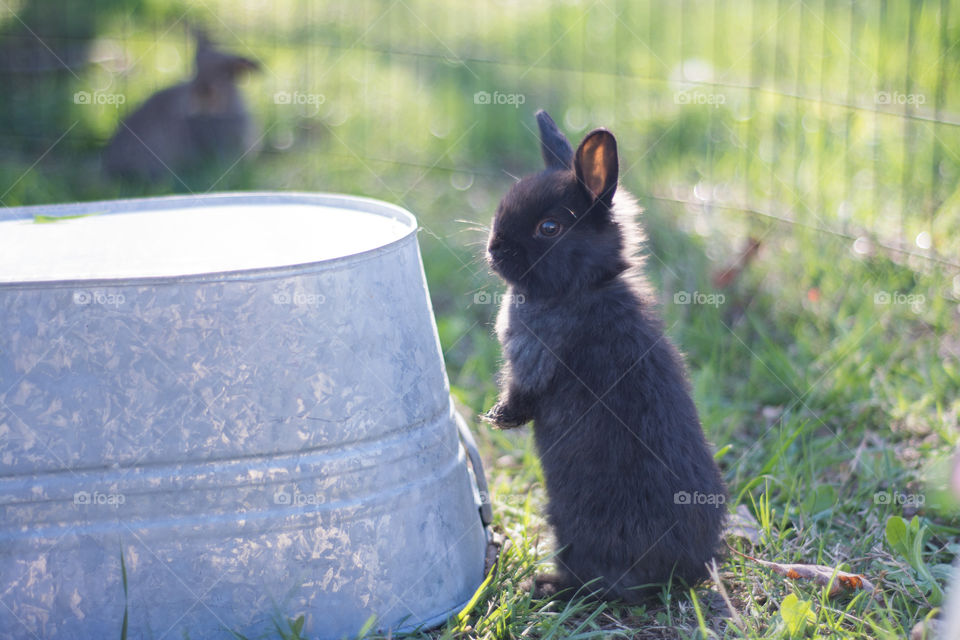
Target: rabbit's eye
{"x":549,"y":228}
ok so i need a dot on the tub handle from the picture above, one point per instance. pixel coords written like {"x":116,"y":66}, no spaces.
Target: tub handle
{"x":470,"y":444}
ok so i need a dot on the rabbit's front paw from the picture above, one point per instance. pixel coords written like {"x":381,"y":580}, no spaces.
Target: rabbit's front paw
{"x":503,"y":416}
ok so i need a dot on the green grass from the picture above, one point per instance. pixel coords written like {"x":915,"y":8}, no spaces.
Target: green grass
{"x":818,"y":397}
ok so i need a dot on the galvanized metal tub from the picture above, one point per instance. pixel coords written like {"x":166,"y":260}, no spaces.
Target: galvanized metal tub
{"x":242,"y":420}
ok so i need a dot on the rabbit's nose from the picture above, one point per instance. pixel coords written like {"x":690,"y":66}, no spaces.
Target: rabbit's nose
{"x":495,"y":243}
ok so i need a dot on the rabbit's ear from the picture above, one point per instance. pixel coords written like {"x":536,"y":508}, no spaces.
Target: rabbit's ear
{"x":597,"y":165}
{"x":554,"y":146}
{"x":202,"y":38}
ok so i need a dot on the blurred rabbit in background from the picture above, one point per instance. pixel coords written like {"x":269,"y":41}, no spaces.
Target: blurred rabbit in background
{"x":203,"y":119}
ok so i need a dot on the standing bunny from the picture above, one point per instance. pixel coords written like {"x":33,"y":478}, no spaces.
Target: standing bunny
{"x":181,"y":126}
{"x":635,"y":497}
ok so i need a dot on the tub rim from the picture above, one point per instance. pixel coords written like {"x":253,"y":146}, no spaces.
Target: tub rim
{"x":159,"y":203}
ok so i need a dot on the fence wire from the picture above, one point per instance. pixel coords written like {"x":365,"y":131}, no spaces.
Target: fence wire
{"x":836,"y":116}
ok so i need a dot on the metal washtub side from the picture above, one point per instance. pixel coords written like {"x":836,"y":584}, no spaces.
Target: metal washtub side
{"x":255,"y":442}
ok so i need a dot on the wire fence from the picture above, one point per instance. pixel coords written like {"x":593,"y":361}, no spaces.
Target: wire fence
{"x":840,"y":117}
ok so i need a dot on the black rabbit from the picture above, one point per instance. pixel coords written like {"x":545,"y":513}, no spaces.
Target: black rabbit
{"x":180,"y":127}
{"x":635,"y":497}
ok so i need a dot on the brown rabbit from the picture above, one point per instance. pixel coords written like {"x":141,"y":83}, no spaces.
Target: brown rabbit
{"x":204,"y":118}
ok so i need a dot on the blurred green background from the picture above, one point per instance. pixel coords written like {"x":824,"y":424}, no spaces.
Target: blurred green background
{"x":827,"y":132}
{"x":835,"y":114}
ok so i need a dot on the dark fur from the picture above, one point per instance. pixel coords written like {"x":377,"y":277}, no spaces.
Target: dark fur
{"x":586,"y":359}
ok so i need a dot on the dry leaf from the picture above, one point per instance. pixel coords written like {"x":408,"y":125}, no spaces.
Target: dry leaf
{"x":840,"y":582}
{"x":725,"y":278}
{"x":742,"y":524}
